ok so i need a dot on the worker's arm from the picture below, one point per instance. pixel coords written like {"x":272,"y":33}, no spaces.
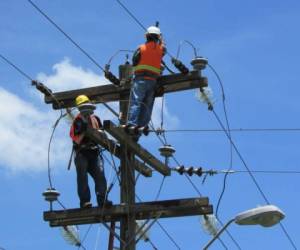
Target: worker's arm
{"x":99,"y":122}
{"x":136,"y":57}
{"x":79,"y":126}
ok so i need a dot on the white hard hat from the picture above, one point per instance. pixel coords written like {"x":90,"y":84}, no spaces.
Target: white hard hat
{"x":153,"y":30}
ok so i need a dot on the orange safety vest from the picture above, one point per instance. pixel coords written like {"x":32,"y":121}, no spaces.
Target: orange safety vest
{"x":78,"y":138}
{"x":151,"y":57}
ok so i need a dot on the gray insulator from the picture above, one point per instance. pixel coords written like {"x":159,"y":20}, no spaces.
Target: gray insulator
{"x":199,"y":63}
{"x":51,"y":194}
{"x":166,"y":150}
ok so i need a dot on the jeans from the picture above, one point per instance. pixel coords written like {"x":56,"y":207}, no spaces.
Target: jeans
{"x":89,"y":161}
{"x":141,"y":101}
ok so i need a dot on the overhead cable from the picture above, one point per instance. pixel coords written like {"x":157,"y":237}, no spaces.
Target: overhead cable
{"x":177,"y":63}
{"x":66,"y":35}
{"x":229,"y":135}
{"x":221,"y":130}
{"x":130,"y":13}
{"x":252,"y":176}
{"x":16,"y":67}
{"x":200,"y":195}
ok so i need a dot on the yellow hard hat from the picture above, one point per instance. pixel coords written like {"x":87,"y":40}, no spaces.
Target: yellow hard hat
{"x":81,"y":99}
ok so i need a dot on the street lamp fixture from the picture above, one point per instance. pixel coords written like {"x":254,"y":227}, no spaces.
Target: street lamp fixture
{"x":265,"y":216}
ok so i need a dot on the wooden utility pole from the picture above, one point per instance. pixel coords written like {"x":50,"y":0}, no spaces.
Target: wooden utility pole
{"x":127,"y":176}
{"x":133,"y":157}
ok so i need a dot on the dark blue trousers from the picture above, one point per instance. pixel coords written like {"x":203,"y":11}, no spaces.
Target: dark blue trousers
{"x":90,"y":162}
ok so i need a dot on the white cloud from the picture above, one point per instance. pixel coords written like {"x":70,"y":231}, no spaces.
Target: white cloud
{"x":67,"y":76}
{"x":25,"y":133}
{"x":25,"y":130}
{"x":170,"y":121}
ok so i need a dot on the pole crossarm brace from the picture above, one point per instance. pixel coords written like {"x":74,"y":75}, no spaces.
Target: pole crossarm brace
{"x":142,"y":211}
{"x":137,"y":149}
{"x":110,"y":145}
{"x":110,"y":92}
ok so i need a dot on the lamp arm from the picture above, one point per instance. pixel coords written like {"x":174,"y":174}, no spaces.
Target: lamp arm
{"x":218,"y":234}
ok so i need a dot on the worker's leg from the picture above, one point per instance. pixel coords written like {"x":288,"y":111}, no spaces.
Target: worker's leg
{"x":83,"y":190}
{"x":96,"y":170}
{"x":147,"y":106}
{"x":137,"y":96}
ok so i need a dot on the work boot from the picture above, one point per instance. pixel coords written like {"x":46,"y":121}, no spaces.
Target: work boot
{"x":106,"y":203}
{"x":85,"y":205}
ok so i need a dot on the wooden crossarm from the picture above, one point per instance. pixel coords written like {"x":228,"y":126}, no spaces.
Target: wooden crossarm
{"x":137,"y":149}
{"x":114,"y":148}
{"x":110,"y":92}
{"x":142,"y":211}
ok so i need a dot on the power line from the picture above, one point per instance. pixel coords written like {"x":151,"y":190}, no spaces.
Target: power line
{"x":267,"y":171}
{"x":251,"y":175}
{"x":16,"y":67}
{"x":130,"y":13}
{"x":229,"y":135}
{"x":66,"y":35}
{"x":137,"y":21}
{"x":55,"y":124}
{"x":199,"y":193}
{"x":231,"y":130}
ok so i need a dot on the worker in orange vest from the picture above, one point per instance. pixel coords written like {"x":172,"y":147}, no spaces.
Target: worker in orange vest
{"x":147,"y":61}
{"x":88,"y":158}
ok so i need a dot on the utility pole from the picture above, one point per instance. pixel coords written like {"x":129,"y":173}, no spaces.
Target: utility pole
{"x":133,"y":157}
{"x":127,"y":174}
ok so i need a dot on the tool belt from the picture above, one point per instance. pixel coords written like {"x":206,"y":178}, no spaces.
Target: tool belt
{"x":86,"y":147}
{"x":146,"y":74}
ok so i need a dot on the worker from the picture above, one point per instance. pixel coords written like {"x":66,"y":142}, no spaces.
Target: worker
{"x":147,"y":61}
{"x":88,"y":158}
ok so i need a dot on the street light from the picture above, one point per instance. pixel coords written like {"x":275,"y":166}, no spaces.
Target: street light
{"x":265,"y":216}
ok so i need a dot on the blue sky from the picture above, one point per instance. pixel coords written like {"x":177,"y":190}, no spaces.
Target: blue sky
{"x":253,"y":45}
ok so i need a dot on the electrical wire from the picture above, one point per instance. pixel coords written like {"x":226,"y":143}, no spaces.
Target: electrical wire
{"x":137,"y":21}
{"x":194,"y":186}
{"x":49,"y":148}
{"x":116,"y":53}
{"x":229,"y":134}
{"x":66,"y":35}
{"x":73,"y":42}
{"x":16,"y":67}
{"x":187,"y":42}
{"x":130,"y":13}
{"x":86,"y":233}
{"x":55,"y":124}
{"x":200,"y":195}
{"x":83,"y":51}
{"x":99,"y":66}
{"x":231,"y":130}
{"x":160,"y":188}
{"x":157,"y":195}
{"x":252,"y":176}
{"x":268,"y":171}
{"x":162,"y":228}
